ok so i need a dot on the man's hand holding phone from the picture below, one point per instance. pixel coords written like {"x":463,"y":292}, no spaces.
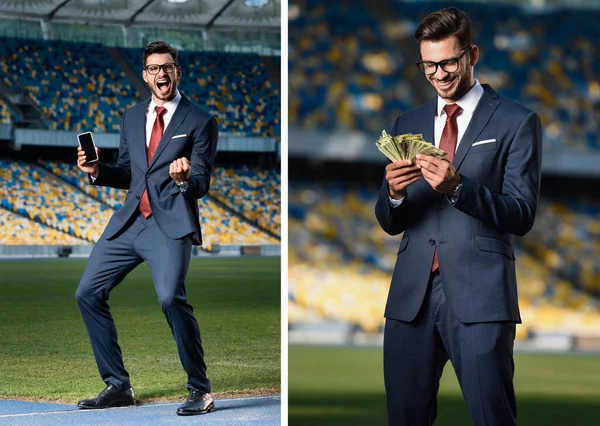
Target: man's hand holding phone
{"x":89,"y":168}
{"x":87,"y":154}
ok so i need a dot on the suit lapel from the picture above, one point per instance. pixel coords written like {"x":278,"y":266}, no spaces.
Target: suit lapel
{"x":180,"y":113}
{"x":482,"y":115}
{"x":138,"y":144}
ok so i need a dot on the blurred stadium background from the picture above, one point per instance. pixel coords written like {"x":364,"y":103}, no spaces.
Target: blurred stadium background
{"x":72,"y":66}
{"x":351,"y":73}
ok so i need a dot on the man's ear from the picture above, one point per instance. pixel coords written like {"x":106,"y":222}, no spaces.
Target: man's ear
{"x":474,"y":55}
{"x":145,"y":76}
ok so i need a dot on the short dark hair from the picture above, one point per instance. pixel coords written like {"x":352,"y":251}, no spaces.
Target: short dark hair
{"x":445,"y":23}
{"x":159,"y":47}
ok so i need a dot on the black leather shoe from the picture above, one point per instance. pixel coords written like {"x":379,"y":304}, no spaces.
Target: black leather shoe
{"x":109,"y":397}
{"x":197,"y":403}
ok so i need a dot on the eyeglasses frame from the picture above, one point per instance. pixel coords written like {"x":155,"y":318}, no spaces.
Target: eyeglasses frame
{"x":440,"y":63}
{"x":161,"y":67}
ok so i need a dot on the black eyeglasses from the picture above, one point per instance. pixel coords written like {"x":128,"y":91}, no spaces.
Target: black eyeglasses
{"x":448,"y":65}
{"x":154,"y":69}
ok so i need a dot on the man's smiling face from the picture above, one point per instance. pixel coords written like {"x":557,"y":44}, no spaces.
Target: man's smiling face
{"x":163,"y":84}
{"x":450,"y":86}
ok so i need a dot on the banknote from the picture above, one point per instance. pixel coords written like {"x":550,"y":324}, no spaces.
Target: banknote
{"x":406,"y":146}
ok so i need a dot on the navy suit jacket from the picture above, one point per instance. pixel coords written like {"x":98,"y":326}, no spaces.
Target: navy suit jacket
{"x":475,"y":236}
{"x":176,"y":214}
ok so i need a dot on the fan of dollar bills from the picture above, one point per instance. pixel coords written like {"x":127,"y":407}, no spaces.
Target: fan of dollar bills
{"x":406,"y":147}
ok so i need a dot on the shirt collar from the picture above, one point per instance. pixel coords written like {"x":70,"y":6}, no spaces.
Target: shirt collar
{"x":170,"y":106}
{"x":468,"y":102}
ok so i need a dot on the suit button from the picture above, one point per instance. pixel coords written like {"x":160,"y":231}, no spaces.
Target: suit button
{"x":147,"y":174}
{"x":137,"y":197}
{"x":431,"y":242}
{"x":441,"y":206}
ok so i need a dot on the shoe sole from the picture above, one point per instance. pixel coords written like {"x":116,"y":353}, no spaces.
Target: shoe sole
{"x":210,"y":408}
{"x":100,"y":407}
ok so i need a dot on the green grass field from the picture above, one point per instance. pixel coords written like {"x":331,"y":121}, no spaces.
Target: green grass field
{"x":45,"y":352}
{"x":344,"y":386}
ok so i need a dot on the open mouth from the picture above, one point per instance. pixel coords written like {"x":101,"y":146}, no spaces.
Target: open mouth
{"x":163,"y":86}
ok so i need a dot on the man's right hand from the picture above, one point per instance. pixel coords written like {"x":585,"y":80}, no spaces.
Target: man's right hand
{"x":399,"y":175}
{"x":90,"y":169}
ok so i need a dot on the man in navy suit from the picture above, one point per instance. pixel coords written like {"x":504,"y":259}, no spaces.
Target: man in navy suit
{"x":453,"y":293}
{"x":166,"y":155}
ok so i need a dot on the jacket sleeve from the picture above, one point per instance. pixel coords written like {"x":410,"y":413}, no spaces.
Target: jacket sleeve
{"x":118,"y":176}
{"x":393,"y":220}
{"x":202,"y":159}
{"x":513,"y":210}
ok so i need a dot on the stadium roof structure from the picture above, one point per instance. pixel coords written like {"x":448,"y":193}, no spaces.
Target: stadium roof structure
{"x":180,"y":14}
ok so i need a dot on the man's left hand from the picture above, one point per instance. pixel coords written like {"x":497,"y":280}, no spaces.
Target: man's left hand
{"x":180,"y":170}
{"x":440,"y":173}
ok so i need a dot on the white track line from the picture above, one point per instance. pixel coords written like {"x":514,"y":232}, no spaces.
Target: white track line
{"x":160,"y":404}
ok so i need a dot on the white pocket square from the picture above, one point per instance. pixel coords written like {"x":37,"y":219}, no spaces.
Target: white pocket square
{"x":483,"y":142}
{"x":179,"y":136}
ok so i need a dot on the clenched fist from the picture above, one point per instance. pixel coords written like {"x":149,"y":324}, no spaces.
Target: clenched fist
{"x":180,"y":170}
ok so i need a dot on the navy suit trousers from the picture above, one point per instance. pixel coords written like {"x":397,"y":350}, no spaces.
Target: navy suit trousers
{"x":416,"y":352}
{"x":109,"y":263}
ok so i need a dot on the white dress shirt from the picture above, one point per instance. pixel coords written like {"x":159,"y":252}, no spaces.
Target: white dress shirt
{"x":468,"y":103}
{"x":171,"y":106}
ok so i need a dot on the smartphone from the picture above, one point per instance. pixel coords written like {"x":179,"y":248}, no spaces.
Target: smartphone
{"x":86,"y":142}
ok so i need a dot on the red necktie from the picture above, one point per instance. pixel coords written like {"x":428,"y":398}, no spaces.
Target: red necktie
{"x":155,"y":136}
{"x":448,"y":144}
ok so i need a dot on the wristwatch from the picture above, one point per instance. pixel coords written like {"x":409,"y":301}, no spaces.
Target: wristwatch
{"x":454,"y":194}
{"x":183,"y":186}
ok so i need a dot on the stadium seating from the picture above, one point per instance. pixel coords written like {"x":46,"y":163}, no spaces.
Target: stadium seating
{"x":234,"y":87}
{"x":566,"y":237}
{"x":252,"y":192}
{"x":77,"y":85}
{"x":18,"y":230}
{"x":334,"y":267}
{"x":71,"y":174}
{"x":340,"y":262}
{"x":27,"y":190}
{"x":5,"y":116}
{"x":68,"y":202}
{"x":362,"y":74}
{"x":221,"y":227}
{"x":300,"y":314}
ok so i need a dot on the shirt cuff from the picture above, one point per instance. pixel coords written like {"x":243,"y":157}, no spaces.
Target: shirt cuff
{"x":395,"y":203}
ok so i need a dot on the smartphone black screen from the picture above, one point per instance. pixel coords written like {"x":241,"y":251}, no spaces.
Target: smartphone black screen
{"x":87,"y":144}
